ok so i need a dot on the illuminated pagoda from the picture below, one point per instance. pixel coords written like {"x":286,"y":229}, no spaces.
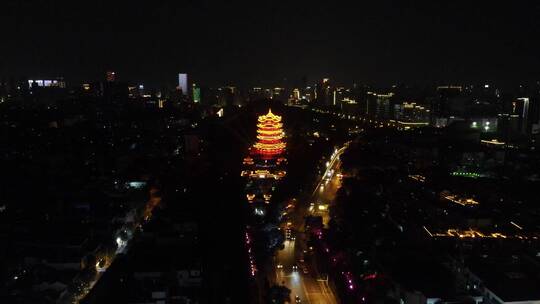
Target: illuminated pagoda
{"x":269,"y":136}
{"x":265,"y":164}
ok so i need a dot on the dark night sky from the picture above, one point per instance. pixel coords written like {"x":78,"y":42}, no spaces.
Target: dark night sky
{"x":378,"y":42}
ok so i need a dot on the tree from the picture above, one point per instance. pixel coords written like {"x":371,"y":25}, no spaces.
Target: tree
{"x":279,"y":294}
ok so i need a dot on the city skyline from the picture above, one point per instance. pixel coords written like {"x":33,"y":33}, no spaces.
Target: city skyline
{"x":269,"y":153}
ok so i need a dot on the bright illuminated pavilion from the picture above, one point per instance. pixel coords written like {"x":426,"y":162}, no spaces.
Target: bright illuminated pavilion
{"x":269,"y":135}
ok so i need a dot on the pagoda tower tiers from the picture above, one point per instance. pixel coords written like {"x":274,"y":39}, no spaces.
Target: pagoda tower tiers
{"x":265,"y":164}
{"x":269,"y":136}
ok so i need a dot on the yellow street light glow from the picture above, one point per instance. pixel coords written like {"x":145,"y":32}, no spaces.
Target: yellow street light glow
{"x":494,"y":142}
{"x":248,"y":161}
{"x":417,"y":177}
{"x":471,"y":233}
{"x":461,"y":201}
{"x":516,"y":225}
{"x":430,"y":234}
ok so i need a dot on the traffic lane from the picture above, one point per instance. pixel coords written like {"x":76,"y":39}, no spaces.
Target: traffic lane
{"x":309,"y":289}
{"x":331,"y":165}
{"x":327,"y":293}
{"x":317,"y":293}
{"x":317,"y":290}
{"x":304,"y":285}
{"x":286,"y":256}
{"x":295,"y":282}
{"x":330,"y":172}
{"x":326,"y":196}
{"x":328,"y":189}
{"x":289,"y":277}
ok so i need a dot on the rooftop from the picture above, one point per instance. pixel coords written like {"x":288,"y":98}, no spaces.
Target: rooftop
{"x":510,"y":278}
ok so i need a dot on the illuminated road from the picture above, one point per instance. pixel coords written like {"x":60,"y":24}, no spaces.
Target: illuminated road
{"x":304,"y":281}
{"x":84,"y":286}
{"x":326,"y":190}
{"x":304,"y":285}
{"x":333,"y":164}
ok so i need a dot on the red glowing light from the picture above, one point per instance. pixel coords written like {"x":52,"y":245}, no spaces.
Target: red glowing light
{"x":370,"y":276}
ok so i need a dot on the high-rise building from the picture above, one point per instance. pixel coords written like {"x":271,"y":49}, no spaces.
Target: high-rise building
{"x":296,"y":94}
{"x":368,"y":107}
{"x":183,"y":83}
{"x":228,"y":96}
{"x":383,"y":105}
{"x":278,"y":93}
{"x":441,"y":106}
{"x":295,"y":97}
{"x":378,"y":105}
{"x":338,"y":96}
{"x":196,"y":94}
{"x":256,"y":93}
{"x":411,"y":112}
{"x":322,"y":92}
{"x":47,"y":83}
{"x":110,"y":76}
{"x":520,"y":108}
{"x":44,"y":91}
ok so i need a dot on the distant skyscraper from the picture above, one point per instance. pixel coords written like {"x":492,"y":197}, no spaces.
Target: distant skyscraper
{"x":520,"y":108}
{"x":411,"y":112}
{"x":322,"y":92}
{"x":383,"y":105}
{"x":277,"y":93}
{"x":338,"y":96}
{"x":196,"y":94}
{"x":296,"y":94}
{"x":441,"y":106}
{"x":46,"y":90}
{"x":111,"y":76}
{"x":183,"y":83}
{"x":47,"y":83}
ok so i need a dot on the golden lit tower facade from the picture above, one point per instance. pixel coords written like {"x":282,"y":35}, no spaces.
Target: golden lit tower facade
{"x":269,"y":135}
{"x":266,"y":163}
